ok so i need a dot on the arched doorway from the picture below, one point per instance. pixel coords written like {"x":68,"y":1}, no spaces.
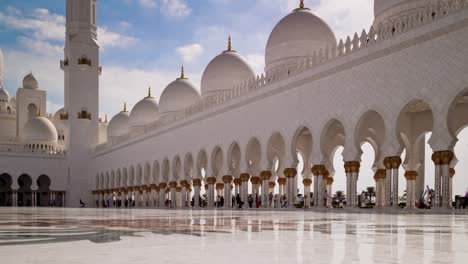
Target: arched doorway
{"x":24,"y":191}
{"x":6,"y":194}
{"x":43,"y":191}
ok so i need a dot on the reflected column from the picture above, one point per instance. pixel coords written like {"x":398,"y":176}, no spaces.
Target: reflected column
{"x":196,"y":196}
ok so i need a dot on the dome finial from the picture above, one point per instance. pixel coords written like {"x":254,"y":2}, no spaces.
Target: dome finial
{"x":301,"y":4}
{"x":182,"y":72}
{"x":39,"y":111}
{"x":125,"y":107}
{"x":149,"y":91}
{"x":229,"y":43}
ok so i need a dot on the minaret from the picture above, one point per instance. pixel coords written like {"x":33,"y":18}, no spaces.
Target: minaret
{"x":81,"y":69}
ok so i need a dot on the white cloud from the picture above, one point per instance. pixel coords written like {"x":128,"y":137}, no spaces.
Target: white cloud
{"x":257,"y":61}
{"x":45,"y":26}
{"x":149,"y":3}
{"x":190,"y":52}
{"x":346,"y":17}
{"x":177,"y":8}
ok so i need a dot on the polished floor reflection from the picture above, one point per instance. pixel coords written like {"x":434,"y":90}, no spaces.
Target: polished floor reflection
{"x":144,"y":236}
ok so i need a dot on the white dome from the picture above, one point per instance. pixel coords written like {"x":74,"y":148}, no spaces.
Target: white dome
{"x":118,"y":126}
{"x":57,"y":114}
{"x":384,"y":9}
{"x":144,"y":112}
{"x":40,"y":129}
{"x":4,"y":96}
{"x":177,"y":95}
{"x":297,"y":35}
{"x":224,"y":71}
{"x":30,"y":82}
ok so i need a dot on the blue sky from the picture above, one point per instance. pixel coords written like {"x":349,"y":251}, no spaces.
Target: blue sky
{"x":144,"y":42}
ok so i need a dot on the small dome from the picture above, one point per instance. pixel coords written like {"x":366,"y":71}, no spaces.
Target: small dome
{"x":297,"y":35}
{"x":177,"y":95}
{"x":118,"y":126}
{"x":57,"y":114}
{"x":144,"y":112}
{"x":30,"y":82}
{"x":40,"y":129}
{"x":4,"y":96}
{"x":224,"y":71}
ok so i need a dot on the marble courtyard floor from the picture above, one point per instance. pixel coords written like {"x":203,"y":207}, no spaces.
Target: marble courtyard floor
{"x":160,"y":236}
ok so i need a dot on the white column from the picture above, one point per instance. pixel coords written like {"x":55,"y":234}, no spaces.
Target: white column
{"x":436,"y":158}
{"x":162,"y":195}
{"x":196,"y":194}
{"x":265,"y":176}
{"x":411,"y":189}
{"x":446,"y":159}
{"x":290,"y":174}
{"x":396,"y":162}
{"x":388,"y":181}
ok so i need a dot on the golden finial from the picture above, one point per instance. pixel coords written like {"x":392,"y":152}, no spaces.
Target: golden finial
{"x":229,"y":43}
{"x":125,"y":107}
{"x":182,"y":72}
{"x":149,"y":91}
{"x":301,"y":4}
{"x":39,"y":112}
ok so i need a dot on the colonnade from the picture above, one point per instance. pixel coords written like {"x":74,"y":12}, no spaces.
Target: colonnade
{"x":176,"y":194}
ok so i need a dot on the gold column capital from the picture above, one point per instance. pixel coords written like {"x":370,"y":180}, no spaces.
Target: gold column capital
{"x":290,"y":172}
{"x":411,"y":175}
{"x":163,"y":185}
{"x":272,"y":185}
{"x":227,"y":178}
{"x":265,"y":175}
{"x":173,"y":184}
{"x":318,"y":170}
{"x":281,"y":181}
{"x":330,"y":180}
{"x":307,"y":182}
{"x":452,"y":172}
{"x":211,"y":180}
{"x":446,"y":157}
{"x":196,"y":182}
{"x":245,"y":177}
{"x":184,"y":183}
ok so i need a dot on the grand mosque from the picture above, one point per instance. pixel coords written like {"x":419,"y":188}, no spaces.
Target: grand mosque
{"x":240,"y":133}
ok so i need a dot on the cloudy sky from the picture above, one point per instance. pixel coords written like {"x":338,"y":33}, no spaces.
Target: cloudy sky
{"x":144,"y":42}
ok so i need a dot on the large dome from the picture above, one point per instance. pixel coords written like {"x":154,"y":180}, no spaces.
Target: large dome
{"x":118,"y":126}
{"x":144,"y":112}
{"x":224,"y":71}
{"x":40,"y":130}
{"x":297,"y":35}
{"x":177,"y":95}
{"x":30,"y":82}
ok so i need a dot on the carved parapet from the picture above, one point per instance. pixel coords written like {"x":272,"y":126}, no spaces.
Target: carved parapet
{"x":290,"y":172}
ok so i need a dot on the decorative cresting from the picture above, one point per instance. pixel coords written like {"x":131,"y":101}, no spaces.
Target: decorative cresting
{"x":443,"y":190}
{"x":379,"y":178}
{"x":411,"y":189}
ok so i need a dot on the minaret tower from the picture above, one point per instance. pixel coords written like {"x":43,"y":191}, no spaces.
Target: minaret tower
{"x":82,"y":70}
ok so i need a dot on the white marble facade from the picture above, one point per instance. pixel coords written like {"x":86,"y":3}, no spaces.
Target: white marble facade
{"x":388,"y":85}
